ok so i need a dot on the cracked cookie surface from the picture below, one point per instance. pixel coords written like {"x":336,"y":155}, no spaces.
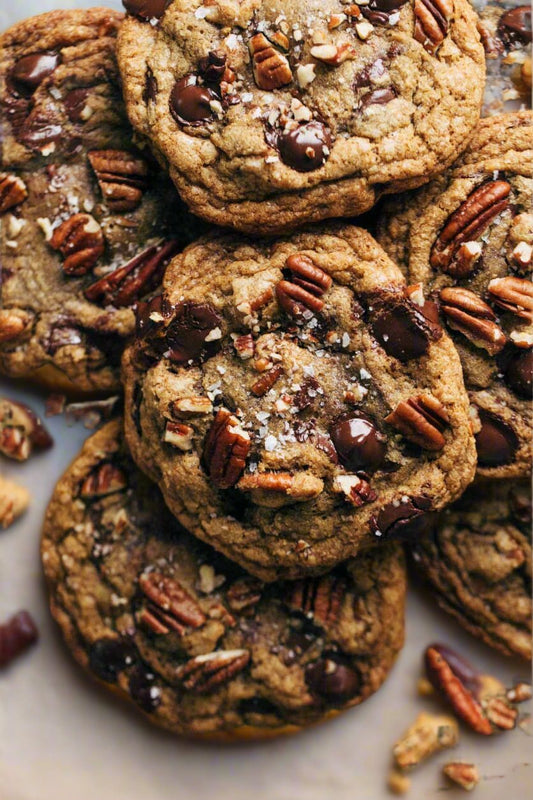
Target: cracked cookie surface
{"x":468,"y":237}
{"x":293,"y":402}
{"x":78,"y":203}
{"x":266,"y":111}
{"x":197,"y":644}
{"x":478,"y":562}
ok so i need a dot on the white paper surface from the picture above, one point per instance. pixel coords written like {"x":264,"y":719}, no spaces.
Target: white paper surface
{"x":63,"y":738}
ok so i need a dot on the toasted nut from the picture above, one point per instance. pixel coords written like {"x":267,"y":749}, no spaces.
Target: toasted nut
{"x":194,"y":404}
{"x":12,"y":323}
{"x":464,"y":775}
{"x":122,"y":177}
{"x":21,"y":431}
{"x":207,"y":672}
{"x":14,"y":500}
{"x":295,"y":300}
{"x":81,"y":241}
{"x":421,"y":419}
{"x":356,"y":490}
{"x":245,"y":346}
{"x":424,"y":687}
{"x":519,"y":693}
{"x":522,"y":254}
{"x":305,"y":273}
{"x":225,"y":450}
{"x":271,"y":68}
{"x":500,"y":713}
{"x":276,"y":489}
{"x":467,"y":313}
{"x":514,"y":295}
{"x":427,"y":735}
{"x":263,"y":384}
{"x":179,"y":435}
{"x":244,"y":595}
{"x":171,"y":607}
{"x":331,"y":54}
{"x":432,"y":22}
{"x":321,"y":598}
{"x":13,"y":192}
{"x":104,"y":480}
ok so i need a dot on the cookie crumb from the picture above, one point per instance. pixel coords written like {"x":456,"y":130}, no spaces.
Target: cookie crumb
{"x":398,"y":782}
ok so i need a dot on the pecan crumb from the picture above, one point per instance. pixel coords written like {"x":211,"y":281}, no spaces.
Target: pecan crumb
{"x":464,"y":775}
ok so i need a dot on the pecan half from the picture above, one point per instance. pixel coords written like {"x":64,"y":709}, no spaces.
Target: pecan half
{"x":470,"y":315}
{"x":356,"y":490}
{"x":421,"y":419}
{"x":305,"y":273}
{"x":263,"y":384}
{"x":320,"y":598}
{"x":244,"y":595}
{"x":21,"y":431}
{"x":135,"y":279}
{"x":296,"y":301}
{"x":81,"y":241}
{"x":105,"y":479}
{"x":207,"y":672}
{"x":271,"y":68}
{"x":514,"y":295}
{"x":225,"y":450}
{"x":432,"y":22}
{"x":276,"y":489}
{"x":170,"y":607}
{"x":467,"y":223}
{"x":122,"y":177}
{"x":178,"y":435}
{"x":13,"y":192}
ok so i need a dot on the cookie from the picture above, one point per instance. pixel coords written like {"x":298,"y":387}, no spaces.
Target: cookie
{"x":272,"y":114}
{"x":197,"y":644}
{"x":293,"y":402}
{"x":85,"y":214}
{"x":468,"y":238}
{"x":477,"y":561}
{"x":506,"y":36}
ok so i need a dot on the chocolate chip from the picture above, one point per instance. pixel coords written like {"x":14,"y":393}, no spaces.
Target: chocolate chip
{"x":75,"y":103}
{"x":150,"y":87}
{"x":109,"y":656}
{"x":213,"y":66}
{"x":377,"y":97}
{"x":29,"y":71}
{"x":190,"y":103}
{"x":496,"y":442}
{"x":142,"y":689}
{"x":186,"y":336}
{"x":146,"y":9}
{"x":519,"y":373}
{"x":358,"y":442}
{"x":306,"y":148}
{"x":370,"y":74}
{"x":332,"y":680}
{"x":401,"y":327}
{"x":16,"y":635}
{"x":403,"y":519}
{"x":515,"y":25}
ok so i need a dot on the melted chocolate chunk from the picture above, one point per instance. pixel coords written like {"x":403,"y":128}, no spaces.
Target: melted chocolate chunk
{"x":142,"y":689}
{"x":370,"y":74}
{"x":402,"y":520}
{"x":190,"y":103}
{"x":213,"y":66}
{"x":189,"y":331}
{"x":146,"y":9}
{"x":108,"y":657}
{"x":519,"y":373}
{"x":515,"y":25}
{"x":496,"y":442}
{"x":359,"y":444}
{"x":75,"y":103}
{"x":334,"y":681}
{"x":306,"y":148}
{"x":377,"y":97}
{"x":61,"y":334}
{"x":150,"y":87}
{"x":379,"y":11}
{"x":30,"y":71}
{"x":401,"y":327}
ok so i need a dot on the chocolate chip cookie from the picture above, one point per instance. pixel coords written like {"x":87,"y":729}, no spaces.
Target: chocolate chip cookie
{"x":468,"y":237}
{"x":271,"y":114}
{"x":478,"y":561}
{"x":85,"y":214}
{"x":198,"y":645}
{"x":295,"y":401}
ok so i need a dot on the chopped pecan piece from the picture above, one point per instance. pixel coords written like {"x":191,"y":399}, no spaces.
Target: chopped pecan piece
{"x":276,"y":489}
{"x":500,"y":712}
{"x":514,"y":295}
{"x":170,"y":607}
{"x":263,"y":384}
{"x":356,"y":490}
{"x":13,"y":192}
{"x":245,"y":346}
{"x":464,"y":775}
{"x":207,"y":672}
{"x":470,"y":315}
{"x":432,"y":22}
{"x":12,"y":323}
{"x":468,"y":223}
{"x":16,"y":635}
{"x":14,"y":500}
{"x":319,"y":597}
{"x":122,"y":177}
{"x":421,"y":419}
{"x":194,"y":404}
{"x":244,"y":595}
{"x":133,"y":280}
{"x":21,"y":431}
{"x":81,"y":241}
{"x":427,"y":735}
{"x":105,"y":479}
{"x":225,"y":450}
{"x":178,"y":435}
{"x":271,"y":68}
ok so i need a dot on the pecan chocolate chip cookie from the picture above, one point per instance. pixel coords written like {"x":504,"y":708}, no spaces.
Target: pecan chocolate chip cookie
{"x":270,"y":114}
{"x":200,"y":646}
{"x":84,"y":214}
{"x":294,"y":402}
{"x":468,"y":237}
{"x":478,"y":561}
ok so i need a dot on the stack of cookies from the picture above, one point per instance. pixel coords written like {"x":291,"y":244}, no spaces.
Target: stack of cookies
{"x":304,"y":399}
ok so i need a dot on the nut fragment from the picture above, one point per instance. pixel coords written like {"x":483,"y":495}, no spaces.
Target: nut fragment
{"x":122,"y":177}
{"x":13,"y":192}
{"x":356,"y":489}
{"x":194,"y":404}
{"x":81,"y":241}
{"x":276,"y":489}
{"x":263,"y":384}
{"x":21,"y":431}
{"x":470,"y":315}
{"x":333,"y":54}
{"x":464,"y":775}
{"x":519,"y":693}
{"x":321,"y":598}
{"x":14,"y":500}
{"x":428,"y":734}
{"x":244,"y":594}
{"x":171,"y":607}
{"x":500,"y":712}
{"x":467,"y":223}
{"x":16,"y":635}
{"x":432,"y":22}
{"x":12,"y":323}
{"x":421,"y":419}
{"x":225,"y":450}
{"x":178,"y":435}
{"x":104,"y":480}
{"x":245,"y":346}
{"x":271,"y":68}
{"x":207,"y":672}
{"x":514,"y":295}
